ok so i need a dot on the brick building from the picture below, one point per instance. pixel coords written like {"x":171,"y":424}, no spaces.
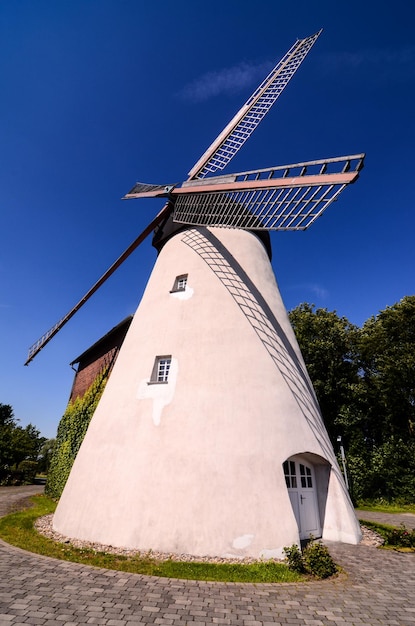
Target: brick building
{"x":99,"y":356}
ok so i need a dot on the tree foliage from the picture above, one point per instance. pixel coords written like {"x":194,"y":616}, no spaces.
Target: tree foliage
{"x":45,"y":455}
{"x":328,"y":345}
{"x":387,"y":344}
{"x":365,"y":383}
{"x":19,"y":448}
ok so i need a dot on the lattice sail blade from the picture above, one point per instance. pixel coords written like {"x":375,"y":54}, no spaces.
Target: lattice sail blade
{"x":241,"y":127}
{"x":285,"y":198}
{"x":147,"y":190}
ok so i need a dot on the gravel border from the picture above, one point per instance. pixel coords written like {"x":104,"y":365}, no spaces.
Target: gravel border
{"x":44,"y":526}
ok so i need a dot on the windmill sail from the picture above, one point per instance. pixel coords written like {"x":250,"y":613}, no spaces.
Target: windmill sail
{"x":241,"y":127}
{"x":286,"y":197}
{"x":279,"y":198}
{"x":216,"y":157}
{"x":41,"y":343}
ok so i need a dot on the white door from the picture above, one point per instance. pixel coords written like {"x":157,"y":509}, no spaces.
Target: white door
{"x":300,"y":481}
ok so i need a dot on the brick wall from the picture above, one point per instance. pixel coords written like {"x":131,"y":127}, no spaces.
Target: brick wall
{"x":99,"y":356}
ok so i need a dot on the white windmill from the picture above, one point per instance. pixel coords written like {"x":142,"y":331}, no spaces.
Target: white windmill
{"x":208,"y":439}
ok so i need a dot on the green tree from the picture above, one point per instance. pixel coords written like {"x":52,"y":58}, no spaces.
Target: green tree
{"x":26,"y":444}
{"x":365,"y":382}
{"x":7,"y":425}
{"x":18,"y":446}
{"x":387,"y":401}
{"x":387,"y":355}
{"x":329,"y":347}
{"x":45,"y":455}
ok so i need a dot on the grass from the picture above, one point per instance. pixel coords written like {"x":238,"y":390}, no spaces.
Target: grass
{"x":381,"y":506}
{"x":18,"y":530}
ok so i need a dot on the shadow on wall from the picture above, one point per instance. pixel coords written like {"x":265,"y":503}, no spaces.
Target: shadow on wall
{"x":275,"y":341}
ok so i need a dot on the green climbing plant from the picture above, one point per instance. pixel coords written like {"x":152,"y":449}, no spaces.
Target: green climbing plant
{"x":71,"y":432}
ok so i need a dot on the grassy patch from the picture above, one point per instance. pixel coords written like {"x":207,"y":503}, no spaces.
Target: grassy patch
{"x":17,"y":529}
{"x":381,"y":506}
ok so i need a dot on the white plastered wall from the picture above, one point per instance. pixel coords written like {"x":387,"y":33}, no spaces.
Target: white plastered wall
{"x":195,"y":465}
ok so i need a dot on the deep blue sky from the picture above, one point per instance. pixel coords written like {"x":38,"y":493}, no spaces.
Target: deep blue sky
{"x":96,"y":94}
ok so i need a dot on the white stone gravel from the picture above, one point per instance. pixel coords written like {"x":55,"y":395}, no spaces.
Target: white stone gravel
{"x":44,"y":526}
{"x":370,"y":538}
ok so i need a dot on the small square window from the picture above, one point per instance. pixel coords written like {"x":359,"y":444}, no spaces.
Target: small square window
{"x":179,"y":283}
{"x":161,"y":368}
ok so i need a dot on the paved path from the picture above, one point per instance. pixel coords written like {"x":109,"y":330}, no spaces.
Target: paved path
{"x":391,"y":519}
{"x":379,"y":588}
{"x":12,"y":498}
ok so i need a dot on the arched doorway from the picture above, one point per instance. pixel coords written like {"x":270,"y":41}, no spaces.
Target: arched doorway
{"x":301,"y":484}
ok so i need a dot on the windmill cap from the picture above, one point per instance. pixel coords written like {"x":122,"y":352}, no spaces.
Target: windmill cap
{"x":168,"y":229}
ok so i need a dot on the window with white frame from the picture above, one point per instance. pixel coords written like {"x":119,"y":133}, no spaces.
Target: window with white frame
{"x":161,"y":368}
{"x":180,"y":283}
{"x":290,"y":475}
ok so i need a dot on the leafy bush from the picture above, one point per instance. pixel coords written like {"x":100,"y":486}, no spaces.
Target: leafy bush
{"x":318,"y":561}
{"x":26,"y":471}
{"x":401,"y":537}
{"x":22,"y":474}
{"x":315,"y":559}
{"x":396,"y":537}
{"x":295,"y":559}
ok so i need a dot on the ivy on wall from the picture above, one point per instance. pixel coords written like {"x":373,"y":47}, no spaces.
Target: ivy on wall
{"x":71,"y":432}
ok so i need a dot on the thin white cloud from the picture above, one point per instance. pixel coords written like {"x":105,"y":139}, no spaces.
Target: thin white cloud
{"x":381,"y":63}
{"x":318,"y":291}
{"x":228,"y":80}
{"x":314,"y":288}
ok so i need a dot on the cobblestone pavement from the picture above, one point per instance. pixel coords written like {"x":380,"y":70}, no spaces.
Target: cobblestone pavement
{"x":377,"y":588}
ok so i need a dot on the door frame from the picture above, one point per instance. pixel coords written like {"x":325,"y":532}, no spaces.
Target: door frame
{"x":302,"y":491}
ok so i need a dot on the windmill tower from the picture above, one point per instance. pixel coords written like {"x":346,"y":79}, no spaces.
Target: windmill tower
{"x":208,"y":439}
